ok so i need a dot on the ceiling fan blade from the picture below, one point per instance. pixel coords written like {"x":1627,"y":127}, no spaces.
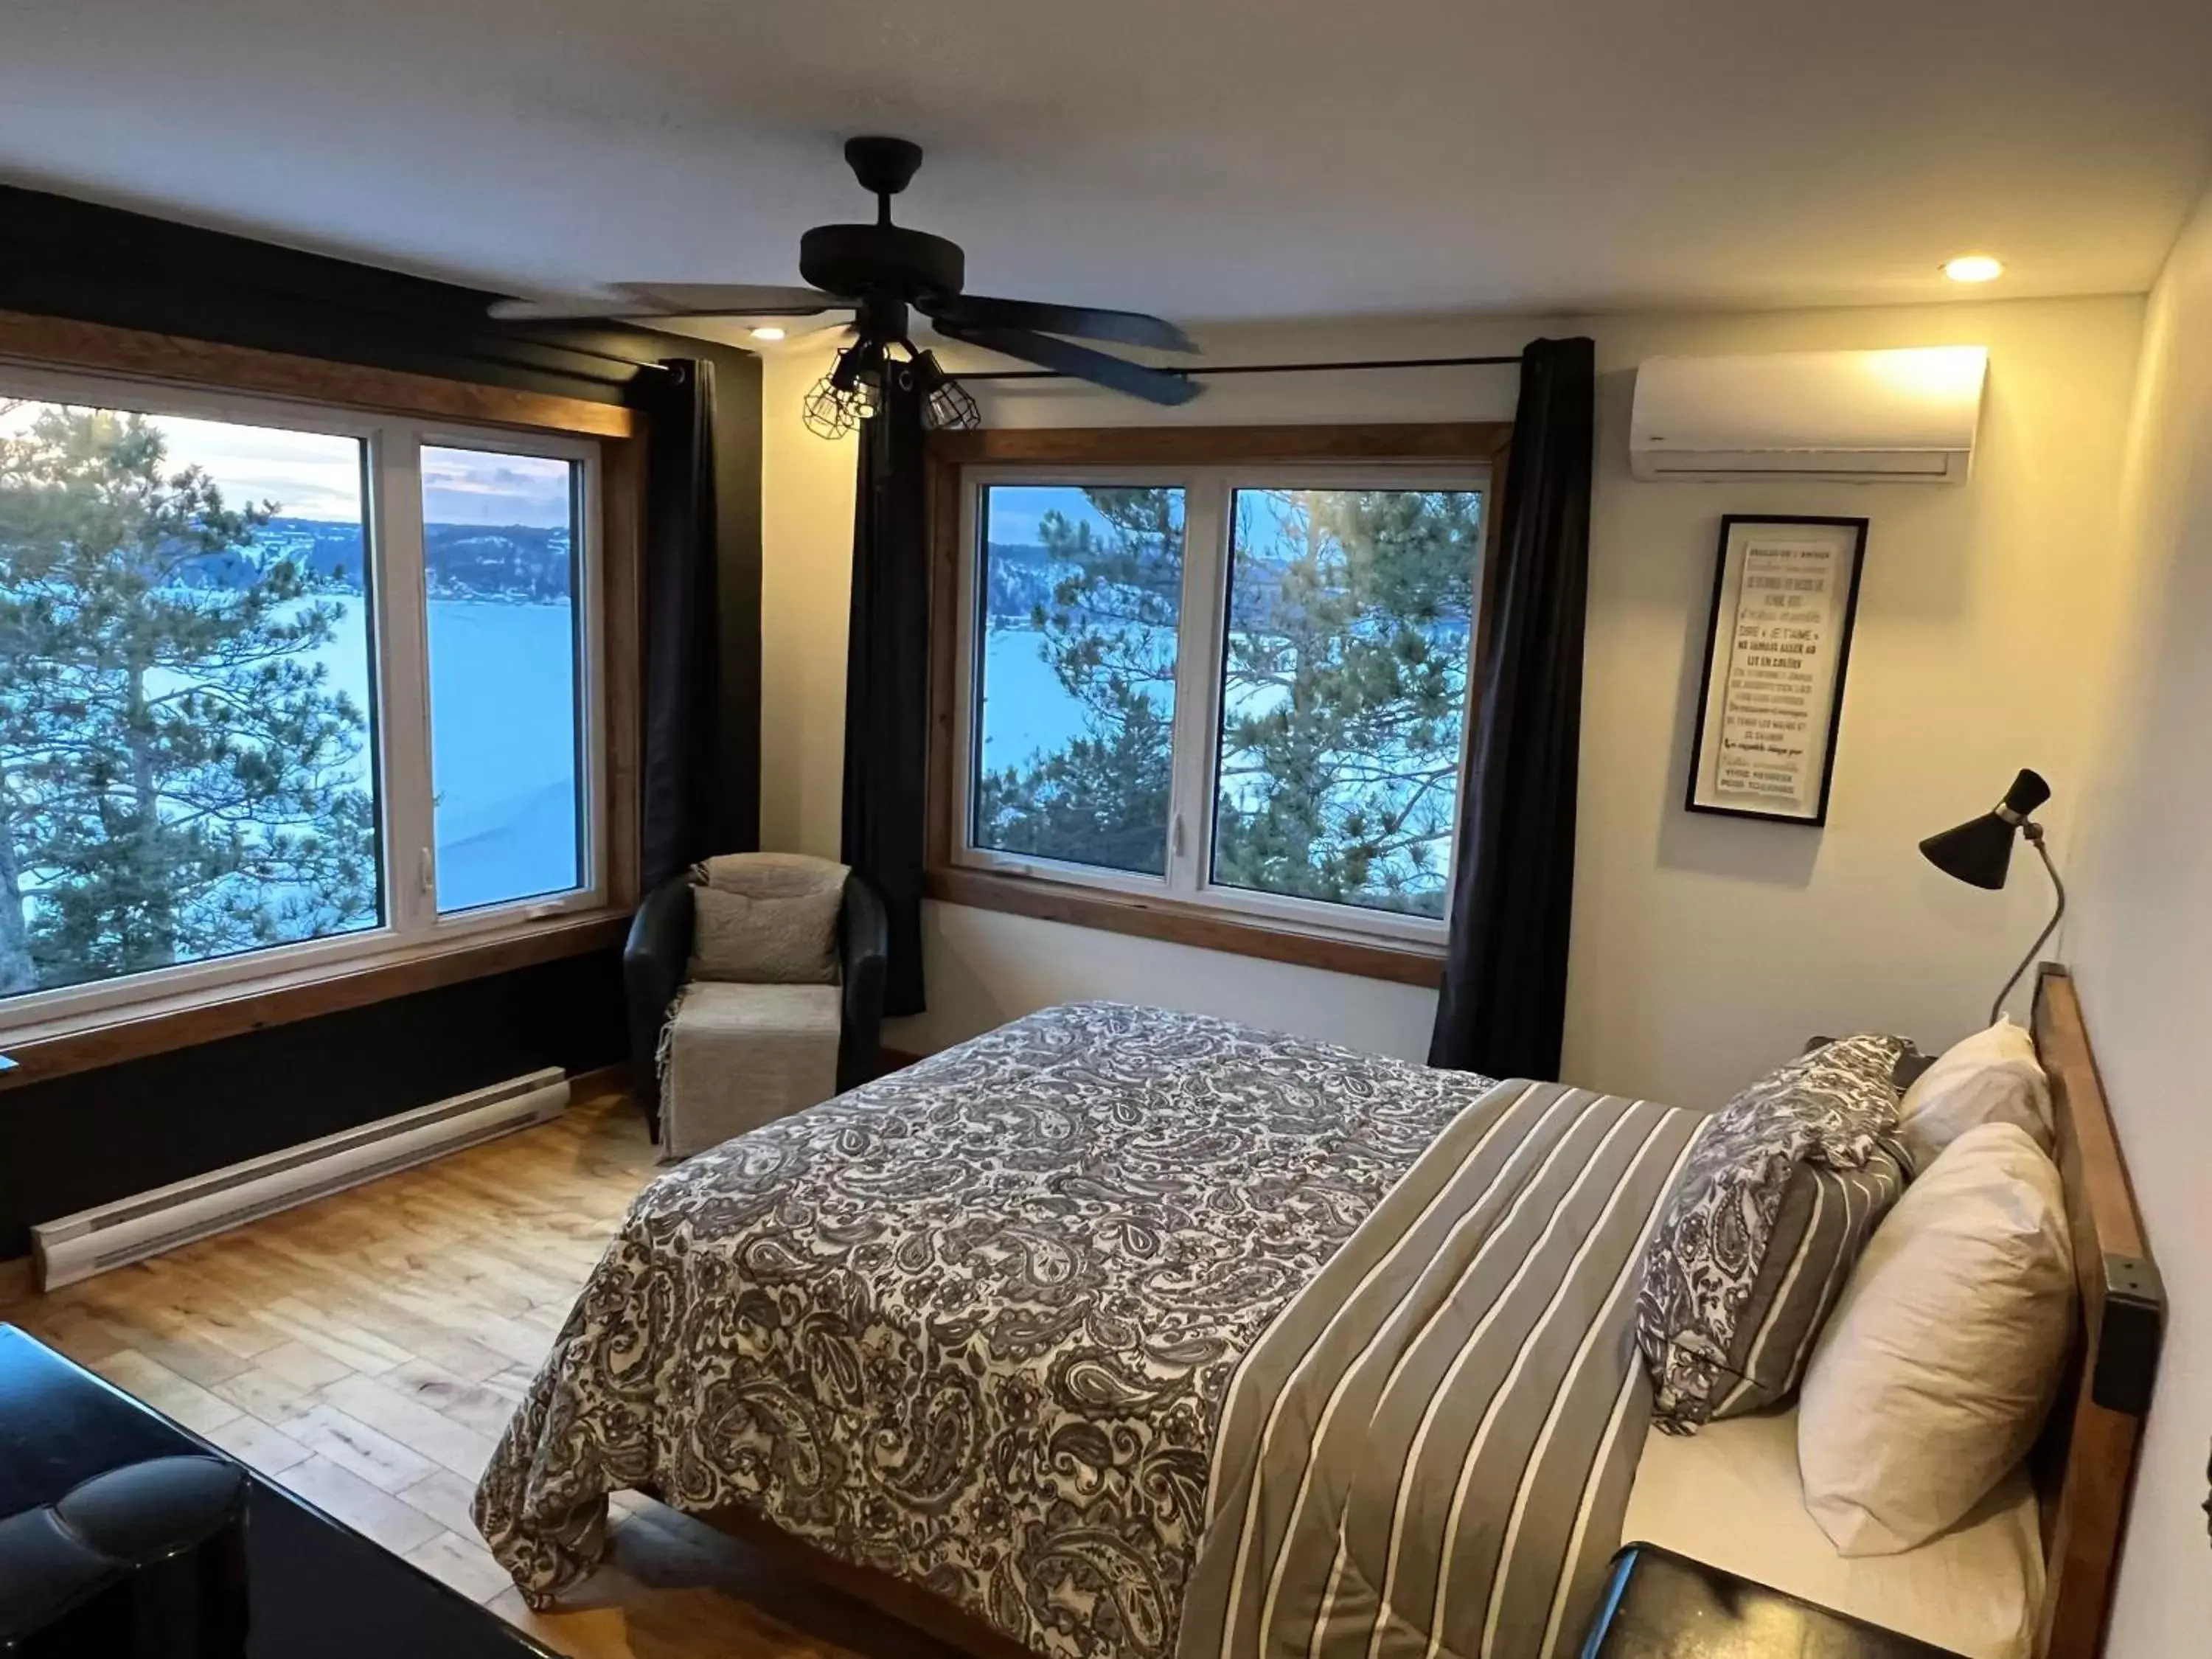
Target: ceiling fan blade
{"x":673,"y":300}
{"x":1081,"y":363}
{"x":560,"y":310}
{"x":1082,"y":322}
{"x":732,"y":299}
{"x":1155,"y":385}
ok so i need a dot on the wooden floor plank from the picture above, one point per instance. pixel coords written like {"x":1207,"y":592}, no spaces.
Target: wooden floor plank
{"x":463,"y":1563}
{"x":339,"y":1339}
{"x":368,"y":1510}
{"x":160,"y":1332}
{"x":440,"y":1439}
{"x":601,"y":1632}
{"x":252,"y":1441}
{"x":354,"y":1447}
{"x":272,"y":1397}
{"x":165,"y":1391}
{"x":74,"y":1329}
{"x":445,"y":1497}
{"x":219,"y":1317}
{"x":459,"y":1400}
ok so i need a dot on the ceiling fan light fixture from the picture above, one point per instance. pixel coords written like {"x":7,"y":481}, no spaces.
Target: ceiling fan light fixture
{"x":946,"y":405}
{"x":844,"y":375}
{"x":847,"y":395}
{"x":827,"y":412}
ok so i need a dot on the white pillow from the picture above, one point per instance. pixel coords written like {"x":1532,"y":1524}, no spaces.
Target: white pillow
{"x":1939,"y":1363}
{"x":1992,"y":1077}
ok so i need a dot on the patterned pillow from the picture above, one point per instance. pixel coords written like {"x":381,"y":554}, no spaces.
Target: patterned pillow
{"x":765,"y":941}
{"x":1772,"y":1211}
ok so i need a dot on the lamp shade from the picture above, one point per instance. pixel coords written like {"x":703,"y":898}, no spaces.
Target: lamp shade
{"x":1979,"y":851}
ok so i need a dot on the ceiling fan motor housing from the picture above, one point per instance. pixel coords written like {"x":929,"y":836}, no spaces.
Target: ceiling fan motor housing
{"x":852,"y":261}
{"x":885,"y":166}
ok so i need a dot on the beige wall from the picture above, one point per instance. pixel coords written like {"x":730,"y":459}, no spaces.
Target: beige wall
{"x":2142,"y":947}
{"x":806,"y":589}
{"x":1706,"y":949}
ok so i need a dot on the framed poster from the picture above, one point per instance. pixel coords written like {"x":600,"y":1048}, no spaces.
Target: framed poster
{"x":1786,"y":594}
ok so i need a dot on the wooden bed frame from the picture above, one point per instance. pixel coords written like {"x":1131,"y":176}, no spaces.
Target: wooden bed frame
{"x":2084,"y":1465}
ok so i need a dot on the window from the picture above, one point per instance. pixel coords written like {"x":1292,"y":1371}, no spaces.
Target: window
{"x":1344,"y":681}
{"x":1231,"y":689}
{"x":506,"y":735}
{"x":280,"y":685}
{"x":1081,"y":601}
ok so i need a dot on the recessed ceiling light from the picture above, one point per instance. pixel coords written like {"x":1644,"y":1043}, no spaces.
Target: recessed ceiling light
{"x":770,"y":332}
{"x":1974,"y":268}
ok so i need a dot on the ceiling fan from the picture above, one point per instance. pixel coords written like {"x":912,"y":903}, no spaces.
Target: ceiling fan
{"x":878,"y":272}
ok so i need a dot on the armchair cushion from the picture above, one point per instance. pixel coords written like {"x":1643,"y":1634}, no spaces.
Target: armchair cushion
{"x":769,"y":875}
{"x":767,"y":919}
{"x":765,"y":941}
{"x":743,"y":1055}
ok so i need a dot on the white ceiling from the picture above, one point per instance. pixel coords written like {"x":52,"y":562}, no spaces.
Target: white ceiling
{"x":1200,"y":158}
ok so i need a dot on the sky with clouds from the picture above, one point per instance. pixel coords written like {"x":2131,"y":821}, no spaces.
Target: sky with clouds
{"x":1018,"y":510}
{"x":315,"y":475}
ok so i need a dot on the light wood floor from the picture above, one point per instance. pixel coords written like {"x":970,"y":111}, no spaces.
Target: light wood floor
{"x":365,"y":1351}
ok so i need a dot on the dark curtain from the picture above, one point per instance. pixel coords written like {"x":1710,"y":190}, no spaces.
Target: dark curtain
{"x":1503,"y":1001}
{"x":887,"y":685}
{"x":681,"y":613}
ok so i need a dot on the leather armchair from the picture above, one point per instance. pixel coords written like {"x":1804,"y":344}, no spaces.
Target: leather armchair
{"x":659,"y":948}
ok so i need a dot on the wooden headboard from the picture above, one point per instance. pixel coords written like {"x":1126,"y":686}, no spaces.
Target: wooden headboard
{"x":2085,"y":1465}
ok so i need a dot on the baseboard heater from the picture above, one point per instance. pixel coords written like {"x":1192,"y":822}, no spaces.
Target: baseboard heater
{"x":132,"y":1229}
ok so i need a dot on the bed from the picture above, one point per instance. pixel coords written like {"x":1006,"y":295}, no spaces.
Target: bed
{"x":1731,"y":1497}
{"x":1122,"y":1335}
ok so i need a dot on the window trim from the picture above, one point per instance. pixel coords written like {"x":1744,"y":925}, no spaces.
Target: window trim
{"x":1372,"y":944}
{"x":183,"y":1019}
{"x":71,"y":1027}
{"x":170,"y":360}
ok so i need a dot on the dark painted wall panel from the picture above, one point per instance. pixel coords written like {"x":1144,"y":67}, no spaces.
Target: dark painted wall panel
{"x":97,"y":1136}
{"x":62,"y":257}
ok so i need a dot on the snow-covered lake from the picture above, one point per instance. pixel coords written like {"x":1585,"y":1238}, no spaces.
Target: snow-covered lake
{"x":502,"y":744}
{"x":1026,"y":710}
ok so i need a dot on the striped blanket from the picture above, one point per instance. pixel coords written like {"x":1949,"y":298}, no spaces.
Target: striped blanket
{"x":1429,"y":1451}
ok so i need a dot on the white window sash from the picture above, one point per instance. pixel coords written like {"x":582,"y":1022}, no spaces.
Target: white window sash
{"x":586,"y":642}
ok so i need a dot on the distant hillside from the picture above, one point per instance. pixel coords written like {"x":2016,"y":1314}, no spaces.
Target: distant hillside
{"x":1020,"y":578}
{"x":1023,"y":577}
{"x":464,"y":561}
{"x":516,"y":562}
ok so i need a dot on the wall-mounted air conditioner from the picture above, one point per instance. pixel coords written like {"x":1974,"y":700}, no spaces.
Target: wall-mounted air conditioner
{"x":1898,"y":416}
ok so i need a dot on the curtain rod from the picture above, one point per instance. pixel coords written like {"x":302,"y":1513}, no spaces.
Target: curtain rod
{"x":1263,"y":369}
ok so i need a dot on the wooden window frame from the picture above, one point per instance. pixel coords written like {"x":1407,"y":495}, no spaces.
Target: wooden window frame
{"x":1176,"y":919}
{"x":170,"y":1018}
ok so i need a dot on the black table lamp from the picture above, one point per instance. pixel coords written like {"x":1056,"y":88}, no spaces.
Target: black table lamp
{"x":1979,"y":853}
